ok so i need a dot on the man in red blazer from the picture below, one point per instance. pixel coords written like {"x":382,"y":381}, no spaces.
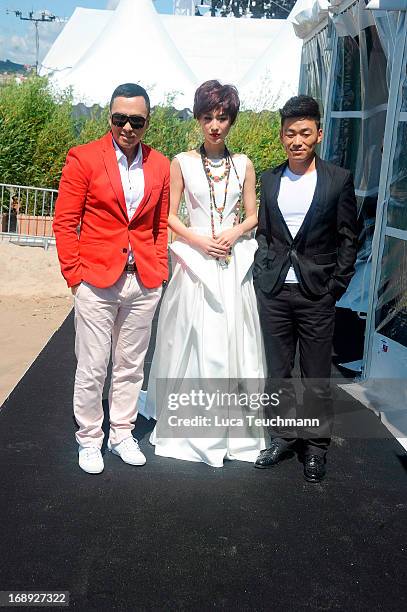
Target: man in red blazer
{"x":116,"y":189}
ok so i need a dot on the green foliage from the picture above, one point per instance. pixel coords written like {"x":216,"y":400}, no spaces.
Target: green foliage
{"x":36,"y":130}
{"x":38,"y":127}
{"x":258,"y":136}
{"x":169,"y":134}
{"x":53,"y":142}
{"x":24,"y":110}
{"x":93,"y":127}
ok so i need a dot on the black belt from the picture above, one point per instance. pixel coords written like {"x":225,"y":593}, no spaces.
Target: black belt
{"x":130,"y":268}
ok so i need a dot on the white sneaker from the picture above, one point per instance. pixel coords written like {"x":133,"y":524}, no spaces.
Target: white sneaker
{"x":128,"y":450}
{"x":90,"y":459}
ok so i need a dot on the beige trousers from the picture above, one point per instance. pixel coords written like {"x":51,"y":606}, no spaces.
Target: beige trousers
{"x":117,"y":319}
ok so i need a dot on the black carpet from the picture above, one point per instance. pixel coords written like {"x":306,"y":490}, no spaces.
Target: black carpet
{"x":175,"y":535}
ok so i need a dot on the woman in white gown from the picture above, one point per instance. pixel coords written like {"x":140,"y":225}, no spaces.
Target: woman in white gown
{"x":208,"y":326}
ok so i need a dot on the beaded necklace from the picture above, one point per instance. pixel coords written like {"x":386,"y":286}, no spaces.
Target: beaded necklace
{"x":213,"y":206}
{"x":214,"y":164}
{"x":216,"y":178}
{"x":211,"y":180}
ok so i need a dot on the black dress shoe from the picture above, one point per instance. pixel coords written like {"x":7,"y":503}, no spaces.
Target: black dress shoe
{"x":314,"y":468}
{"x":270,"y":457}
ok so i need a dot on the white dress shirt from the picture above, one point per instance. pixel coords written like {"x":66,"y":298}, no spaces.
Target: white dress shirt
{"x":294,"y":199}
{"x":132,"y":182}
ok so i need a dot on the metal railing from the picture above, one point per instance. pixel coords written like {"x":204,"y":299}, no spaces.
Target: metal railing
{"x":26,"y":213}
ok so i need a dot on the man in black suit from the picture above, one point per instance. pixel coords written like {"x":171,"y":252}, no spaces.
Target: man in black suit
{"x":307,"y":250}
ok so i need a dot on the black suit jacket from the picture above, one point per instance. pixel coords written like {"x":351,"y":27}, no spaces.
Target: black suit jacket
{"x":323,"y":253}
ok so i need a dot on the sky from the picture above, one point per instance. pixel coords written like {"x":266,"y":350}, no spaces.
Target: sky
{"x":17,"y":38}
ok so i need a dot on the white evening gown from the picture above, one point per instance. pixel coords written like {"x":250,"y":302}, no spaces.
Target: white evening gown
{"x":208,"y":325}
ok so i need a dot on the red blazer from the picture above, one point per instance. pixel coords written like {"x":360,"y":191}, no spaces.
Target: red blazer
{"x":91,"y":195}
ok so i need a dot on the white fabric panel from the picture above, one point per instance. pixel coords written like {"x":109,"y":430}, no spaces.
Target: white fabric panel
{"x":354,"y":20}
{"x":357,"y":295}
{"x":385,"y":392}
{"x":122,"y":53}
{"x":275,"y":76}
{"x":80,"y":32}
{"x":306,"y":15}
{"x":174,"y":53}
{"x":221,"y":48}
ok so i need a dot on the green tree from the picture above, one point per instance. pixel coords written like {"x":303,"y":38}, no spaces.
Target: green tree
{"x":94,"y":126}
{"x":38,"y":127}
{"x":170,"y":134}
{"x":24,"y":111}
{"x":258,"y":136}
{"x":53,"y":142}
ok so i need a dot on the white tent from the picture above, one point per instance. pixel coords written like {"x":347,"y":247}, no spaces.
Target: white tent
{"x":172,"y":53}
{"x":274,"y":78}
{"x":223,"y":48}
{"x":78,"y":35}
{"x":133,"y":46}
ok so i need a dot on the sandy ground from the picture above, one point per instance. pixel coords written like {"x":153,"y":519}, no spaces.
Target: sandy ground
{"x":34,"y":301}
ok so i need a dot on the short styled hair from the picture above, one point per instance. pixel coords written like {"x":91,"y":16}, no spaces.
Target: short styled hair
{"x":211,"y":96}
{"x":304,"y":107}
{"x":130,"y":90}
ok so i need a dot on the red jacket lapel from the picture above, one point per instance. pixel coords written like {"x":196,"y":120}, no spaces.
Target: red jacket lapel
{"x":112,"y":168}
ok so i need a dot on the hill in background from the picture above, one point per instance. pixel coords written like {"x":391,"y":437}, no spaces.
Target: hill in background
{"x":7,"y":66}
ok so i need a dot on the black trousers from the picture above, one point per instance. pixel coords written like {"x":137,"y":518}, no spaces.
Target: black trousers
{"x":287,"y":319}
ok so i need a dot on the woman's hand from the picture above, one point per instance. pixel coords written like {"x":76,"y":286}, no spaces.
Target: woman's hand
{"x":209,"y":246}
{"x":228,"y":237}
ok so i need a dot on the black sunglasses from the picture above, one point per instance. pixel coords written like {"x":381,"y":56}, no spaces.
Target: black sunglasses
{"x":136,"y":121}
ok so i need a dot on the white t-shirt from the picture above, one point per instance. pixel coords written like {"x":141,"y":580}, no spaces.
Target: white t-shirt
{"x":294,"y":199}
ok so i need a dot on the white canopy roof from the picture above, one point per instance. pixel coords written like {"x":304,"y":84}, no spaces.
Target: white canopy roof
{"x":133,"y":46}
{"x":78,"y":35}
{"x":274,"y":78}
{"x":221,"y":48}
{"x":99,"y":49}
